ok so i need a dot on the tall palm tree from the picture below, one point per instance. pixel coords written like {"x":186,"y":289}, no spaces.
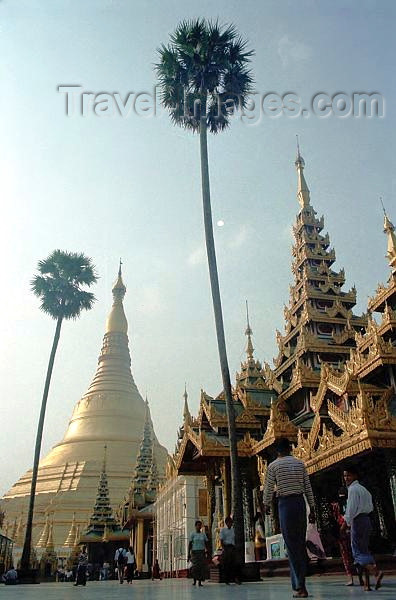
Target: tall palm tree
{"x":204,"y":78}
{"x":59,"y":285}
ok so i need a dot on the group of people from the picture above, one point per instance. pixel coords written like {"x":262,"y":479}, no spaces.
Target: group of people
{"x":126,"y":564}
{"x":123,"y":558}
{"x":288,"y":476}
{"x":125,"y":567}
{"x":288,"y":479}
{"x":64,"y":574}
{"x":198,"y":553}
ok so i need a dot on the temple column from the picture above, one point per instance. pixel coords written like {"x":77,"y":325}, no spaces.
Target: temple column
{"x":210,"y":486}
{"x":225,"y":477}
{"x":140,"y":544}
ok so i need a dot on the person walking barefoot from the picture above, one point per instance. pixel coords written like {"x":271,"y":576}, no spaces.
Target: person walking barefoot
{"x":290,"y":477}
{"x":357,"y":517}
{"x":197,"y":552}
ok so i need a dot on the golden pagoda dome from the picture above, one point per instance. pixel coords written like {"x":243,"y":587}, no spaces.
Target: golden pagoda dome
{"x":111,"y":412}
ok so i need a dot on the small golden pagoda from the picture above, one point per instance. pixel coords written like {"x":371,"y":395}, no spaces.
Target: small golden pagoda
{"x":111,"y":412}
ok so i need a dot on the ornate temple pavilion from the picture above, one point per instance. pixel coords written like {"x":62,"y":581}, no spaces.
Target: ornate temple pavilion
{"x":136,"y":510}
{"x":332,"y":391}
{"x":112,"y":412}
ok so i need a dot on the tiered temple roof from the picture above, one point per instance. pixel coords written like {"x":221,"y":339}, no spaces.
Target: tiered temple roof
{"x":331,"y":390}
{"x":102,"y":524}
{"x":355,"y":405}
{"x":146,"y":479}
{"x":319,"y":323}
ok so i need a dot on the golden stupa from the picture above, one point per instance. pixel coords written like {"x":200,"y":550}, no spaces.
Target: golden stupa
{"x":111,"y":412}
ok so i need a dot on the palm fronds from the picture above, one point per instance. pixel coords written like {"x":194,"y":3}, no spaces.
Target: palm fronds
{"x":60,"y":282}
{"x":203,"y":71}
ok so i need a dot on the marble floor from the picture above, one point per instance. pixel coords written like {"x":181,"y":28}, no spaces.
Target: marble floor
{"x":320,"y":588}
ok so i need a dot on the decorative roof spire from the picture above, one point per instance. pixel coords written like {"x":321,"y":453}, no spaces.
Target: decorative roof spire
{"x":116,"y":321}
{"x":77,"y":538}
{"x":154,"y":481}
{"x":102,"y":513}
{"x":70,"y":540}
{"x":302,"y":188}
{"x":42,"y":541}
{"x":49,"y":547}
{"x":249,"y":333}
{"x":186,"y":410}
{"x":389,"y":229}
{"x":144,"y":461}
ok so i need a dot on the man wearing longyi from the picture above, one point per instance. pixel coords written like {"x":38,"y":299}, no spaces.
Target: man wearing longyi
{"x":290,"y":478}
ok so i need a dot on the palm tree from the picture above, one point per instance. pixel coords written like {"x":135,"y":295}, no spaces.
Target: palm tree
{"x":204,"y":78}
{"x":59,"y":286}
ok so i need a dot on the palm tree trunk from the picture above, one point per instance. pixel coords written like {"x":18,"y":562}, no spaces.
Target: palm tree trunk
{"x":25,"y":560}
{"x":218,"y":314}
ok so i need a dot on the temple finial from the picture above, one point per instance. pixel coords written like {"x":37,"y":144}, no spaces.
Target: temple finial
{"x":302,"y":188}
{"x":382,"y":204}
{"x":186,"y":410}
{"x":389,"y":230}
{"x":248,"y":333}
{"x":116,"y":321}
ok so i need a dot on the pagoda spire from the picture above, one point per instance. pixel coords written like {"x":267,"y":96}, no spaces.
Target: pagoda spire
{"x":302,"y":189}
{"x":144,"y":461}
{"x":116,"y":321}
{"x":77,"y":538}
{"x":249,"y":333}
{"x":42,"y":541}
{"x":49,"y":547}
{"x":320,"y":325}
{"x":69,"y":542}
{"x":251,"y":375}
{"x":186,"y":409}
{"x":389,"y":230}
{"x":113,"y":384}
{"x":102,"y":513}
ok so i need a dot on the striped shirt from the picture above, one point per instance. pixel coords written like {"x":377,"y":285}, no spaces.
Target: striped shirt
{"x":290,"y":477}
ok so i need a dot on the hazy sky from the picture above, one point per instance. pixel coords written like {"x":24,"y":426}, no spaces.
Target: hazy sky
{"x":130,"y":187}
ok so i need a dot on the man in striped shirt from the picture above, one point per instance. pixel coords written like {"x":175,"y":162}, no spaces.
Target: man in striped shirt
{"x":289,"y":476}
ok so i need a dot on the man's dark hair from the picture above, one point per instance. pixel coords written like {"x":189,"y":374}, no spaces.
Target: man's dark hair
{"x":283,"y":446}
{"x":352,"y":470}
{"x":198,"y":522}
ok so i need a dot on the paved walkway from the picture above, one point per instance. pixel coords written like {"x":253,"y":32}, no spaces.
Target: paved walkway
{"x":320,"y":588}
